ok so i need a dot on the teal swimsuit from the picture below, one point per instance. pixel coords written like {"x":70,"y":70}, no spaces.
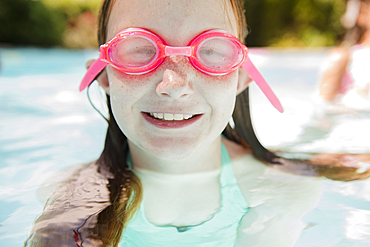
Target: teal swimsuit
{"x":220,"y":230}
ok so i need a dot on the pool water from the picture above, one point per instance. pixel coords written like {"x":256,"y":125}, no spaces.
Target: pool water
{"x":48,"y":128}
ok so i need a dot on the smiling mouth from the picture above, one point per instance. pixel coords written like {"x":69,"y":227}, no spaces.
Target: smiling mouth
{"x":170,"y":116}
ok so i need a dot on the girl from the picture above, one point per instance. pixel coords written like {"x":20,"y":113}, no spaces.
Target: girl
{"x":166,"y":176}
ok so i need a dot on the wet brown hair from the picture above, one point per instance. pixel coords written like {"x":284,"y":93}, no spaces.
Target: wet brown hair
{"x":125,"y":188}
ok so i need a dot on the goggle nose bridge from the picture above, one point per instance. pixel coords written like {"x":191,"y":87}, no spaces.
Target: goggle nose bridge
{"x":185,"y":51}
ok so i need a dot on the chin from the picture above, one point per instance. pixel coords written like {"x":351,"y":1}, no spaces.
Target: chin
{"x":172,"y":148}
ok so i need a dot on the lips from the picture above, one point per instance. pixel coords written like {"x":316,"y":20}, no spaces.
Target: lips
{"x":169,"y":120}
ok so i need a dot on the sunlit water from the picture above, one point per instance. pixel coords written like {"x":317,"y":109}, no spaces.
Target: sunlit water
{"x":47,"y":126}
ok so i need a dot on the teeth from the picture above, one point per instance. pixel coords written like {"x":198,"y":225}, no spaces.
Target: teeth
{"x":158,"y":115}
{"x":168,"y":116}
{"x":171,"y":117}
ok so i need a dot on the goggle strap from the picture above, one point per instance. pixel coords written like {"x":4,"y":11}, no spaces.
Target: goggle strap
{"x":92,"y":73}
{"x":262,"y":84}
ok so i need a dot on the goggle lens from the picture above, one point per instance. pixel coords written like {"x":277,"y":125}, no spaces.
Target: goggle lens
{"x":133,"y":52}
{"x":219,"y":53}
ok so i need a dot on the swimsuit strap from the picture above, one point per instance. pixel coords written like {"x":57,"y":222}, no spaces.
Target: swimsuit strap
{"x":230,"y":189}
{"x":227,"y":175}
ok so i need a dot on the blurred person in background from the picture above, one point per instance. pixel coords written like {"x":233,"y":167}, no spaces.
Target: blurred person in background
{"x":346,"y":78}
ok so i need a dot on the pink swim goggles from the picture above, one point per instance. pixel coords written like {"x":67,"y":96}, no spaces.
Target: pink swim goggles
{"x":138,"y":51}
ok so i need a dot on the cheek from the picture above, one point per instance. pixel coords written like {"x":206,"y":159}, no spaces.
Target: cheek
{"x":125,"y":93}
{"x":221,"y":92}
{"x":130,"y":88}
{"x":127,"y":82}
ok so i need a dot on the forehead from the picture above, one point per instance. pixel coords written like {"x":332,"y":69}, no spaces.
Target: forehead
{"x":173,"y":20}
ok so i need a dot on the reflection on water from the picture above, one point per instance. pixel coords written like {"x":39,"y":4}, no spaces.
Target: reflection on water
{"x":357,"y":224}
{"x":48,"y":126}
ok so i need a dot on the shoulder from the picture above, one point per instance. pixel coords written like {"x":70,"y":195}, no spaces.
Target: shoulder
{"x":277,"y":199}
{"x":339,"y":55}
{"x":270,"y":184}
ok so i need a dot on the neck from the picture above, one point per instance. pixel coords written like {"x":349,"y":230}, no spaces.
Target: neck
{"x":204,"y":159}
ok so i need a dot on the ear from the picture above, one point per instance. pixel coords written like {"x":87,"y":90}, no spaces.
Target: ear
{"x":102,"y":78}
{"x":243,"y":81}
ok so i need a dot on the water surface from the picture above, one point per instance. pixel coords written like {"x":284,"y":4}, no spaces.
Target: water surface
{"x":48,"y":128}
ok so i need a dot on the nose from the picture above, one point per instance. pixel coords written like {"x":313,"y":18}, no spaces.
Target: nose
{"x":174,"y":84}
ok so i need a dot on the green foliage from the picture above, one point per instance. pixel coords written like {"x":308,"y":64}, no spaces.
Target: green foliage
{"x":294,"y":22}
{"x":81,"y":31}
{"x":68,"y":23}
{"x":72,"y":23}
{"x":80,"y":20}
{"x":29,"y":22}
{"x":73,"y":8}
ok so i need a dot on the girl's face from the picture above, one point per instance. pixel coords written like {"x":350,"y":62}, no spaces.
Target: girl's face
{"x":175,"y":87}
